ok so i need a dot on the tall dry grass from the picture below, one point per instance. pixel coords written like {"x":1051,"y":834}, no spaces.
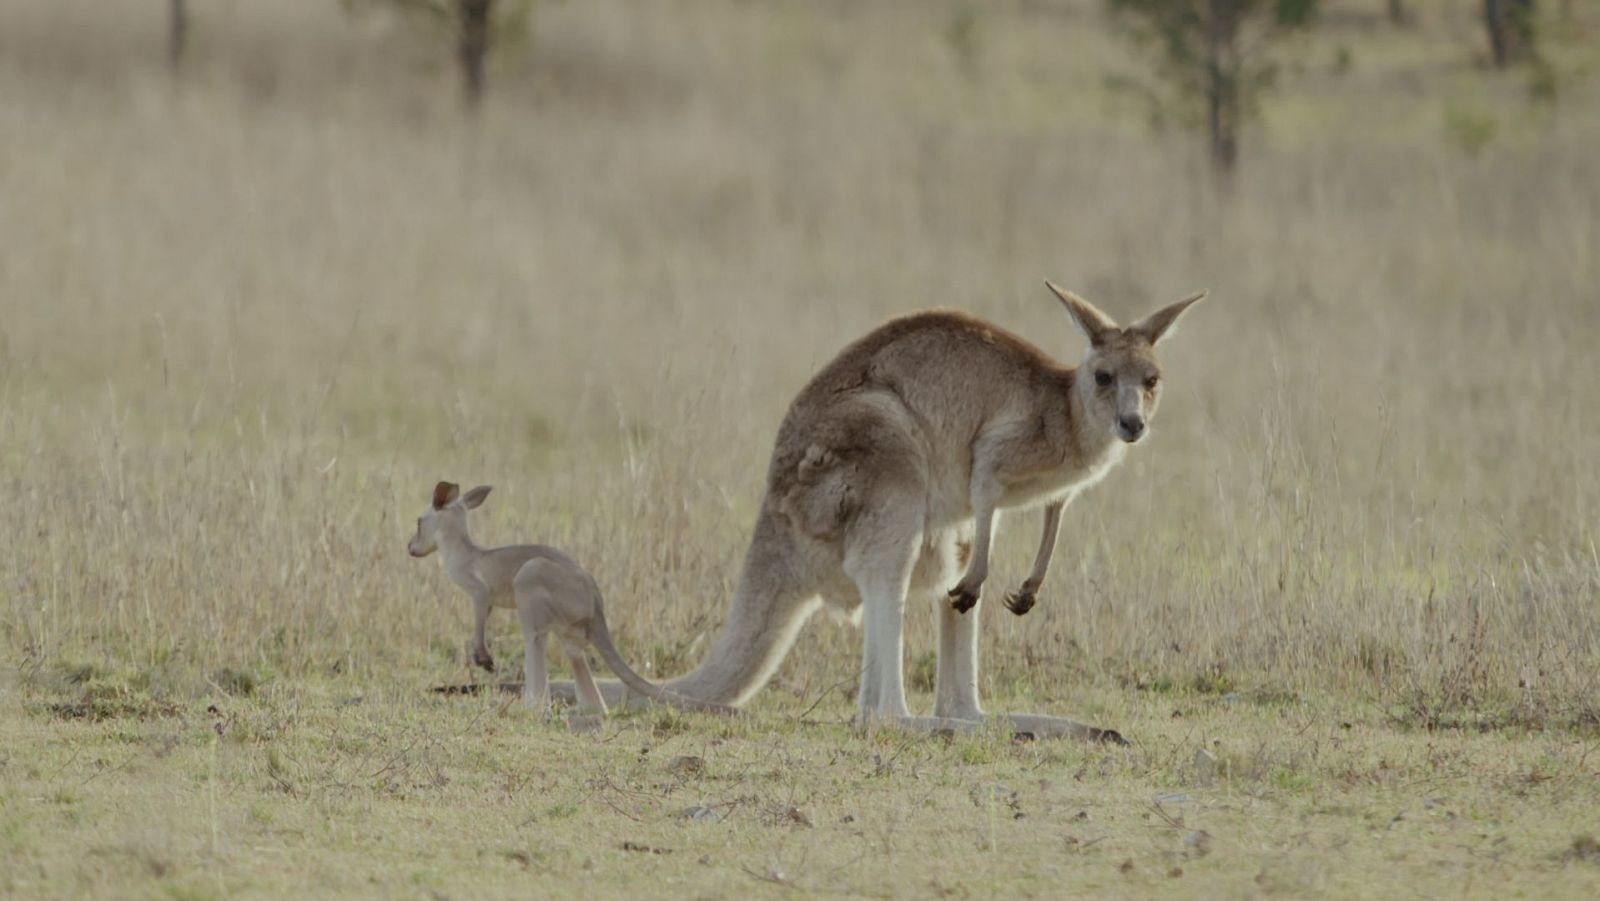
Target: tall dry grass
{"x":249,"y":316}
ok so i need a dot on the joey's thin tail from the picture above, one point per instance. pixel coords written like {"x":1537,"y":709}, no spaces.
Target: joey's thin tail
{"x":600,"y":635}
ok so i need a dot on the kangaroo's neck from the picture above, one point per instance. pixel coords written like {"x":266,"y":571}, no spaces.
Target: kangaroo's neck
{"x":458,"y":549}
{"x":768,"y":609}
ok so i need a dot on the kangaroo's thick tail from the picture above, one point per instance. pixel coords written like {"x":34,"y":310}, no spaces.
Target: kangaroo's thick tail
{"x":770,"y":604}
{"x":600,"y":636}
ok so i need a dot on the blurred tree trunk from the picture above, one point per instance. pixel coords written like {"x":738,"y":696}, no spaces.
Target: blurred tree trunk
{"x":1510,"y":27}
{"x":1222,"y":86}
{"x":177,"y":32}
{"x":474,"y":47}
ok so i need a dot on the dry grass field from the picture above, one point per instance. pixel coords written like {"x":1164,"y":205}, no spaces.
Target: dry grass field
{"x":249,"y":314}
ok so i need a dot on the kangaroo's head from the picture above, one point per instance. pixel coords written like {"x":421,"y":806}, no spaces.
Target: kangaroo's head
{"x":447,"y":515}
{"x":1119,"y":382}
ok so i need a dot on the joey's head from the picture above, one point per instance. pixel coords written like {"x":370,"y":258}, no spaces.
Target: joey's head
{"x":446,"y":516}
{"x":1119,"y":382}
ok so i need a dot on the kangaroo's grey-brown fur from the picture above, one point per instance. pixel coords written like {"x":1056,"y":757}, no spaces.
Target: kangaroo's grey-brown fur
{"x":885,"y":479}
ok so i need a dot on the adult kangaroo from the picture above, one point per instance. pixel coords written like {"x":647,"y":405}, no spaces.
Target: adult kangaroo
{"x":885,"y":479}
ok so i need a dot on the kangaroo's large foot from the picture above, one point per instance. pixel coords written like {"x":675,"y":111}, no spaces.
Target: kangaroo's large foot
{"x":1038,"y":726}
{"x":483,"y":658}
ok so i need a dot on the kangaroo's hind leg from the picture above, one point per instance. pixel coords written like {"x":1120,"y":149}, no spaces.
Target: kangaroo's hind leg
{"x":881,"y":552}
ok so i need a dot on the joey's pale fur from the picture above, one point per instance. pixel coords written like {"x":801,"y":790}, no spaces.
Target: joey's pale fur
{"x":885,"y":480}
{"x":549,"y":591}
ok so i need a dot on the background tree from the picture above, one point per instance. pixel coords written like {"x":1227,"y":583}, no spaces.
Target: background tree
{"x":474,"y":26}
{"x":1510,"y":27}
{"x":177,"y":31}
{"x":1212,"y":51}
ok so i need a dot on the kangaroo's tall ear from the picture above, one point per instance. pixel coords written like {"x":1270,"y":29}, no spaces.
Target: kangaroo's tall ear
{"x":444,"y":493}
{"x":1094,"y":324}
{"x":475,"y":498}
{"x":1163,"y":322}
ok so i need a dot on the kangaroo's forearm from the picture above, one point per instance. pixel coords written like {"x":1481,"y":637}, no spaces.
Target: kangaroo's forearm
{"x":1047,"y":546}
{"x":985,"y":497}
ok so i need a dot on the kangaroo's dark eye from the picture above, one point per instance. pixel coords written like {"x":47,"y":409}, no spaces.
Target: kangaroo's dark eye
{"x":1151,"y":382}
{"x":1102,"y":378}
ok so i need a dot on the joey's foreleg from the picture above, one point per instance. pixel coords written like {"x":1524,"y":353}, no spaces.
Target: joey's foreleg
{"x":985,"y":495}
{"x":1022,"y":600}
{"x":480,"y":645}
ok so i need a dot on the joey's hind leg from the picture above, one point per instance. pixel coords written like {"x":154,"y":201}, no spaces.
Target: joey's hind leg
{"x":589,"y":698}
{"x":535,"y":638}
{"x":535,"y":670}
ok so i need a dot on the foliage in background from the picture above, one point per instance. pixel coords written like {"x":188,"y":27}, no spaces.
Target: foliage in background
{"x":1212,"y":53}
{"x":1511,"y":25}
{"x":473,"y":27}
{"x":246,"y":325}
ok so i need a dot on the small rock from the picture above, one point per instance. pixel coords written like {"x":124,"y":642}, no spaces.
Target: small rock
{"x":1127,"y":866}
{"x":699,"y":813}
{"x":1173,"y":799}
{"x":1205,"y":766}
{"x":1198,"y":841}
{"x":992,"y":793}
{"x":687,"y":767}
{"x":794,"y":816}
{"x":1584,"y":848}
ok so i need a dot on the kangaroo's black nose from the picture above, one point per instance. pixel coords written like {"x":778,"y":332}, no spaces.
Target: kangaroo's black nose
{"x":1132,"y":426}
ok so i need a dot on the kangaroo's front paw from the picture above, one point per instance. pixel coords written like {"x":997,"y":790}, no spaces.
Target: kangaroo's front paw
{"x":482,"y":657}
{"x":964,"y":597}
{"x":1020,"y":601}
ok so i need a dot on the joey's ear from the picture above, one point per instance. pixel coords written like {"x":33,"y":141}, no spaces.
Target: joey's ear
{"x":475,"y":498}
{"x":444,"y":493}
{"x":1094,"y":324}
{"x":1163,"y":322}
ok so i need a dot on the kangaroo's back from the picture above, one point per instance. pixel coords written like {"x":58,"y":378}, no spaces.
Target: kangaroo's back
{"x":919,"y":387}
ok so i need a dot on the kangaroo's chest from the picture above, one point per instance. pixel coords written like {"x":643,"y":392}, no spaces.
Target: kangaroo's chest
{"x":1047,"y":486}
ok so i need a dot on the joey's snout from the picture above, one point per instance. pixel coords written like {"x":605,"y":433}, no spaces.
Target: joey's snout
{"x":1130,"y":428}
